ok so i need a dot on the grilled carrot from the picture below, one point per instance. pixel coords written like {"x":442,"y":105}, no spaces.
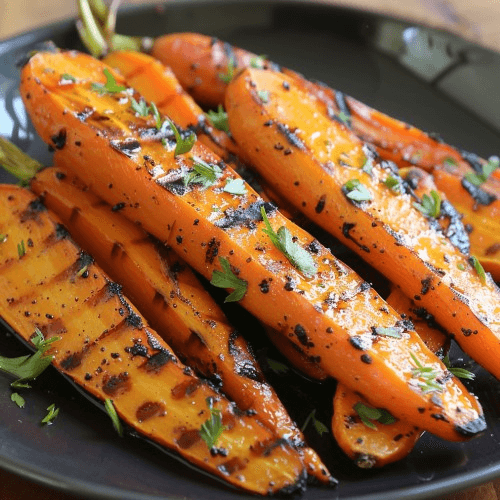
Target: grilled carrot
{"x":106,"y":347}
{"x":337,"y":182}
{"x":173,"y":301}
{"x":317,"y":302}
{"x":380,"y":440}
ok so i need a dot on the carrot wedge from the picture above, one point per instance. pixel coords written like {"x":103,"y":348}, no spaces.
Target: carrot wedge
{"x":337,"y":182}
{"x":173,"y":301}
{"x":326,"y":308}
{"x":106,"y":347}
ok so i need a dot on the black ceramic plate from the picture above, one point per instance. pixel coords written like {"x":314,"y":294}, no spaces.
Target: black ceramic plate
{"x":431,"y":79}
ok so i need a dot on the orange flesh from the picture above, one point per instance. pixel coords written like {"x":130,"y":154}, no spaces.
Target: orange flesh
{"x":333,"y":334}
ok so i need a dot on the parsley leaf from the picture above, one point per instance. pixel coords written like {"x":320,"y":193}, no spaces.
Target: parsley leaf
{"x":203,"y":173}
{"x":367,"y":414}
{"x":227,"y":279}
{"x":212,"y":429}
{"x":30,"y":366}
{"x":18,"y":399}
{"x":478,"y":267}
{"x":263,"y":96}
{"x":487,"y":169}
{"x":219,"y":119}
{"x":320,"y":427}
{"x":431,"y":205}
{"x":141,"y":107}
{"x":21,"y":249}
{"x":231,"y":65}
{"x":110,"y":409}
{"x":110,"y":87}
{"x":51,"y":415}
{"x":300,"y":258}
{"x":235,"y":186}
{"x":458,"y":372}
{"x":356,"y":191}
{"x":182,"y":145}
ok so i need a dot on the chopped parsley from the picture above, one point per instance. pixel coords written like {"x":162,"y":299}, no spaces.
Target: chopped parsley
{"x":182,"y":145}
{"x":110,"y":409}
{"x":487,"y":169}
{"x":367,"y":166}
{"x":393,"y":184}
{"x":258,"y":61}
{"x":356,"y":191}
{"x":3,"y":237}
{"x":141,"y":107}
{"x":212,"y":429}
{"x":110,"y":87}
{"x":203,"y":173}
{"x":320,"y":427}
{"x":263,"y":96}
{"x":430,"y":205}
{"x":391,"y":331}
{"x":51,"y":415}
{"x":235,"y":186}
{"x":18,"y":399}
{"x":231,"y":65}
{"x":474,"y":261}
{"x":219,"y":119}
{"x":450,"y":162}
{"x":30,"y":366}
{"x":427,"y":375}
{"x":227,"y":279}
{"x":368,"y":415}
{"x":300,"y":258}
{"x":21,"y":249}
{"x":66,"y":77}
{"x":458,"y":372}
{"x":346,"y":120}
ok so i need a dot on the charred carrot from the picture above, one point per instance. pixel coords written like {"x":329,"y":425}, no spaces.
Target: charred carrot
{"x":339,"y":183}
{"x":106,"y":347}
{"x":277,"y":271}
{"x":174,"y":302}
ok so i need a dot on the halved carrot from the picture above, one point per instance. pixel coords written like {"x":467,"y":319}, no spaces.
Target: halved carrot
{"x":328,"y":310}
{"x":337,"y":182}
{"x":106,"y":347}
{"x":173,"y":301}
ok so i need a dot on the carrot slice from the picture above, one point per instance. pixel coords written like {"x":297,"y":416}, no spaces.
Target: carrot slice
{"x":327,"y":309}
{"x":173,"y":301}
{"x":106,"y":347}
{"x":337,"y":182}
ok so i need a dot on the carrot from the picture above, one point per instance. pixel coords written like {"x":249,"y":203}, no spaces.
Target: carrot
{"x":482,"y":221}
{"x":338,"y":183}
{"x":105,"y":346}
{"x":370,"y":436}
{"x":173,"y":301}
{"x":318,"y":302}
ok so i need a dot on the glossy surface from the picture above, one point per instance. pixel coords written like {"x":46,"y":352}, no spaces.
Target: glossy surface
{"x":355,"y":54}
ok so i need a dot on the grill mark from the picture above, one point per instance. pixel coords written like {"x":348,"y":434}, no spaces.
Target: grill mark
{"x":248,"y":215}
{"x":478,"y":194}
{"x":290,"y":136}
{"x":473,"y":160}
{"x":149,"y":410}
{"x":188,"y":439}
{"x":156,"y":362}
{"x":455,"y":231}
{"x":35,"y":208}
{"x":346,"y":231}
{"x":129,"y":148}
{"x":115,"y":385}
{"x":343,"y":107}
{"x":185,"y":388}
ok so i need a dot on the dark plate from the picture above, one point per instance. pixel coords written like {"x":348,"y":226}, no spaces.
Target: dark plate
{"x":431,"y":79}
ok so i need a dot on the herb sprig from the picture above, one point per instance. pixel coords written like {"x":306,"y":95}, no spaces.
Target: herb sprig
{"x":51,"y":415}
{"x":182,"y":145}
{"x":478,"y":178}
{"x":227,"y":279}
{"x":458,"y":372}
{"x":431,"y":205}
{"x":368,"y":415}
{"x":203,"y":173}
{"x":212,"y":429}
{"x":219,"y":119}
{"x":356,"y":191}
{"x":110,"y":87}
{"x":320,"y":427}
{"x":300,"y":258}
{"x":427,"y":376}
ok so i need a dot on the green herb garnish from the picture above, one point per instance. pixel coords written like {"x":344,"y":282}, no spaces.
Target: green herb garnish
{"x":367,"y":166}
{"x":299,"y":258}
{"x":219,"y":119}
{"x":227,"y":279}
{"x":458,"y":372}
{"x":141,"y":107}
{"x":182,"y":145}
{"x":68,"y":77}
{"x":82,"y":271}
{"x":18,"y":399}
{"x":357,"y":191}
{"x":487,"y":169}
{"x":345,"y":119}
{"x":320,"y":427}
{"x":202,"y":173}
{"x":391,"y":331}
{"x":263,"y":96}
{"x":431,"y":205}
{"x":3,"y":237}
{"x":21,"y":249}
{"x":157,"y":117}
{"x":110,"y":87}
{"x":51,"y":415}
{"x":478,"y":267}
{"x":427,"y":374}
{"x":450,"y":162}
{"x":461,"y":267}
{"x":212,"y":429}
{"x":110,"y":409}
{"x":231,"y":65}
{"x":235,"y":186}
{"x":368,"y":414}
{"x":30,"y":366}
{"x":392,"y":183}
{"x":257,"y":61}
